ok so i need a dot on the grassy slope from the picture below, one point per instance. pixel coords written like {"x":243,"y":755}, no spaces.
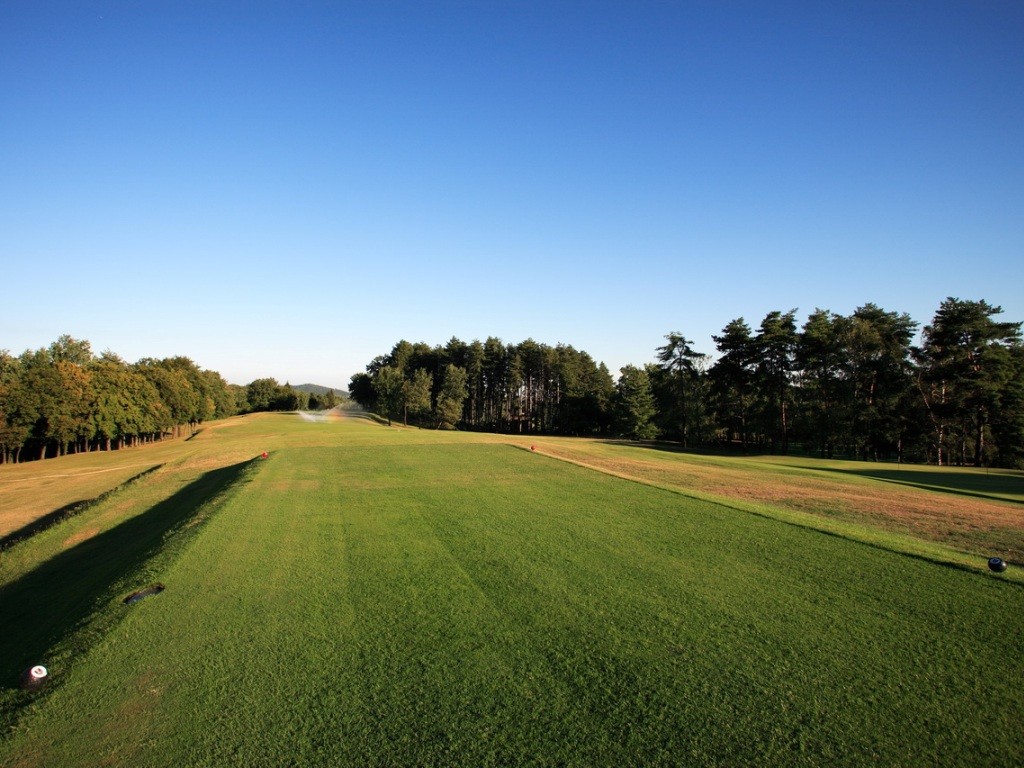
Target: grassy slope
{"x":34,"y":490}
{"x":954,"y":515}
{"x":392,"y":603}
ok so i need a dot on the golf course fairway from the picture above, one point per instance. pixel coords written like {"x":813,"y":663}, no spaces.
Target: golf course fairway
{"x":369,"y":596}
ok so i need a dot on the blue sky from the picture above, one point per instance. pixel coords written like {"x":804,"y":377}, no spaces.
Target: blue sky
{"x":286,"y":189}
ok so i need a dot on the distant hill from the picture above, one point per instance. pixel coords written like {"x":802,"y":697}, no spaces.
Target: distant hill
{"x":317,"y":389}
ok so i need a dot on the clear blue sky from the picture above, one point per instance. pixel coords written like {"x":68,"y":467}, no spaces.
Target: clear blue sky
{"x":288,"y":188}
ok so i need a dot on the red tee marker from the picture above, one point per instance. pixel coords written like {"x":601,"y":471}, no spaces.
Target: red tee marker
{"x":263,"y":455}
{"x":533,"y":447}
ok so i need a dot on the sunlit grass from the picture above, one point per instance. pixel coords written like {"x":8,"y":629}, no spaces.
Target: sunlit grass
{"x":954,"y":515}
{"x":403,"y":599}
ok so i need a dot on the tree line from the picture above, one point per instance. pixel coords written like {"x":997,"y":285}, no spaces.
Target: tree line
{"x":839,"y":386}
{"x":852,"y":386}
{"x":64,"y":399}
{"x":493,"y":386}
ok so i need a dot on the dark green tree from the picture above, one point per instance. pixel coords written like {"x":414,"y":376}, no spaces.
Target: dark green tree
{"x":775,"y":345}
{"x":39,"y":398}
{"x":451,"y":397}
{"x":360,"y":390}
{"x":126,"y":405}
{"x":416,"y":394}
{"x":967,"y":361}
{"x":824,"y":399}
{"x":732,"y":380}
{"x":218,"y":393}
{"x":17,"y":409}
{"x":634,"y":404}
{"x":880,"y":374}
{"x":684,"y":368}
{"x":261,"y":394}
{"x":176,"y":392}
{"x":1007,"y":419}
{"x":290,"y":399}
{"x":388,"y":387}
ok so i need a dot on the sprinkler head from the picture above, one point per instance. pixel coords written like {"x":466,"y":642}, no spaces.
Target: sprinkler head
{"x":996,"y":564}
{"x":33,"y":677}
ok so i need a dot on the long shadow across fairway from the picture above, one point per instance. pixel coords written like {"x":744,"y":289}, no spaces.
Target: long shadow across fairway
{"x":1000,"y":485}
{"x":669,"y":447}
{"x":40,"y":524}
{"x":996,"y":487}
{"x":46,"y":606}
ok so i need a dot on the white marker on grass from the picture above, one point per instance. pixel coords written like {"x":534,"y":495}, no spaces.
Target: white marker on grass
{"x":34,"y":677}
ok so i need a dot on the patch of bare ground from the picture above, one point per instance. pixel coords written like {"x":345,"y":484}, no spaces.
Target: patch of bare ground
{"x":79,"y":536}
{"x":973,"y":525}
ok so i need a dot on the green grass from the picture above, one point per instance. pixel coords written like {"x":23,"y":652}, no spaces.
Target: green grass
{"x":58,"y":609}
{"x":394,"y":598}
{"x":955,"y":516}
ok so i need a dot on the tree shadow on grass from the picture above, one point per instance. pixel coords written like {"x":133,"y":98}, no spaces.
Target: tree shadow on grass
{"x":997,"y":486}
{"x":367,"y":416}
{"x":42,"y":611}
{"x":704,"y":450}
{"x":40,"y":524}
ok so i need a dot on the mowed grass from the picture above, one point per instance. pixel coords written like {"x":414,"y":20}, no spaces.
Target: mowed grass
{"x":397,"y":601}
{"x":949,"y":514}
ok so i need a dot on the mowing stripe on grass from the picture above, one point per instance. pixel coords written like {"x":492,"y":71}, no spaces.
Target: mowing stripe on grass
{"x":479,"y":605}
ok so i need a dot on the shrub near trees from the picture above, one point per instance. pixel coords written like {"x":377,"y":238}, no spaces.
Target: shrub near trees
{"x":839,"y":386}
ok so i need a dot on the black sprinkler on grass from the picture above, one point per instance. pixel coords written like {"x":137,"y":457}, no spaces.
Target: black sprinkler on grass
{"x":996,"y":564}
{"x":33,"y":678}
{"x":134,"y":597}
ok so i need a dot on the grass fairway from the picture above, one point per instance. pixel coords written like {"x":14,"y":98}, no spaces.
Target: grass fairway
{"x":382,"y":597}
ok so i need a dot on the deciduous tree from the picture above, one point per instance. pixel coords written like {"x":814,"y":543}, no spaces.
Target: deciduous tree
{"x":451,"y":397}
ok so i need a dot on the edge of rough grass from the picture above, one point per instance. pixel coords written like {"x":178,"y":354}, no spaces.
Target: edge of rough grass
{"x":58,"y":516}
{"x":894,"y":542}
{"x":99,"y":601}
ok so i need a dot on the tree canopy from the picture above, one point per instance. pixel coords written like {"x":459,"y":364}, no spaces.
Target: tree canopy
{"x":851,"y":386}
{"x":64,"y":399}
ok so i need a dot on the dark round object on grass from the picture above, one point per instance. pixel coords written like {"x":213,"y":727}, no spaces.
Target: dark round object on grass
{"x":996,"y":564}
{"x":141,"y":594}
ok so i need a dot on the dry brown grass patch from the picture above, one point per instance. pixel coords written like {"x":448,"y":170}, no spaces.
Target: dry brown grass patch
{"x":971,"y":524}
